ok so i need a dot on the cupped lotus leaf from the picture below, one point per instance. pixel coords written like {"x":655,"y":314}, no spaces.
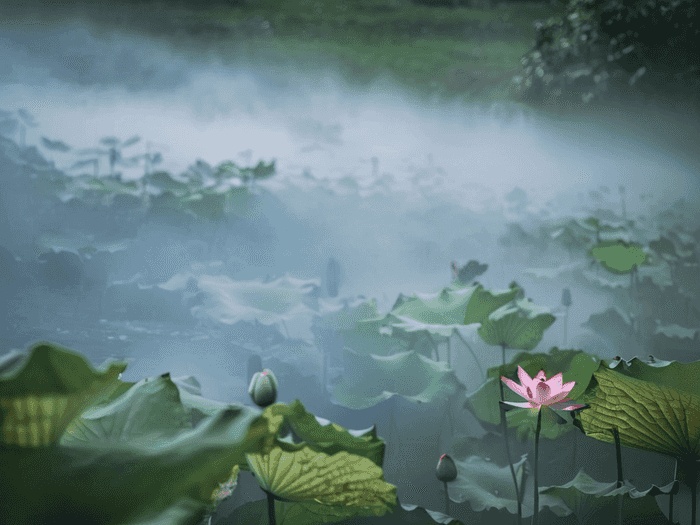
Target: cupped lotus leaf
{"x":44,"y":388}
{"x":519,"y":325}
{"x":486,"y":485}
{"x":298,"y":429}
{"x":575,"y":365}
{"x":483,"y":303}
{"x":648,"y":416}
{"x":346,"y":482}
{"x":619,"y":257}
{"x":594,"y":502}
{"x":127,"y":483}
{"x":151,"y":410}
{"x":369,"y":379}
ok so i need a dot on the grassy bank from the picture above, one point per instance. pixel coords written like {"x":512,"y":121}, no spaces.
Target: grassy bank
{"x":470,"y":53}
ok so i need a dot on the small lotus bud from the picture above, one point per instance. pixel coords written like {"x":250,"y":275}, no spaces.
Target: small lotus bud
{"x":263,"y":388}
{"x":446,"y":469}
{"x":566,"y":297}
{"x":651,"y":359}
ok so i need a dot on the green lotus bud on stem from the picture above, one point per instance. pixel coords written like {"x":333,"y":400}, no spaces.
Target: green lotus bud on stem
{"x":263,"y":388}
{"x":446,"y":471}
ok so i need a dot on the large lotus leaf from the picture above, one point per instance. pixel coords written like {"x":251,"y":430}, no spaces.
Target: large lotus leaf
{"x":44,"y":388}
{"x":660,"y":275}
{"x":370,"y":379}
{"x":483,"y":303}
{"x":520,"y":325}
{"x":486,"y":485}
{"x":440,"y":331}
{"x":339,"y":485}
{"x":575,"y":366}
{"x":648,"y":416}
{"x":338,"y":317}
{"x":375,"y":336}
{"x":664,"y":248}
{"x":152,"y":409}
{"x":619,"y":257}
{"x":444,"y":307}
{"x":128,"y":483}
{"x":207,"y":204}
{"x":166,"y":182}
{"x":683,"y":377}
{"x":594,"y":502}
{"x":298,"y":428}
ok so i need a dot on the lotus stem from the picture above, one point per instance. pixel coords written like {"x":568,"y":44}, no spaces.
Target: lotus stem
{"x":478,"y":364}
{"x":447,"y":499}
{"x":272,"y":520}
{"x":618,"y":454}
{"x":566,"y":322}
{"x":693,"y":492}
{"x":670,"y":496}
{"x":505,"y":435}
{"x":536,"y":505}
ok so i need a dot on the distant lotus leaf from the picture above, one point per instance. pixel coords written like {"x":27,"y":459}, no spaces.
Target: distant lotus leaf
{"x":340,"y":318}
{"x":594,"y":502}
{"x":347,"y":483}
{"x":648,"y":416}
{"x":550,"y":273}
{"x":664,"y":247}
{"x":440,"y":331}
{"x":520,"y":325}
{"x":660,"y":275}
{"x":444,"y":307}
{"x":613,"y":324}
{"x":369,"y":379}
{"x":485,"y":485}
{"x":206,"y":204}
{"x":55,"y":145}
{"x":618,"y":257}
{"x":575,"y":365}
{"x":44,"y":388}
{"x":166,"y":182}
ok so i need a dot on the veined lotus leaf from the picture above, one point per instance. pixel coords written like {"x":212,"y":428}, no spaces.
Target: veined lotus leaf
{"x":619,"y":257}
{"x":520,"y":325}
{"x":575,"y":365}
{"x":206,"y":204}
{"x":370,"y":379}
{"x":648,"y":416}
{"x":166,"y":182}
{"x":127,"y":483}
{"x":486,"y":485}
{"x":341,"y":484}
{"x":298,"y":428}
{"x":594,"y":502}
{"x":152,"y":410}
{"x":44,"y":388}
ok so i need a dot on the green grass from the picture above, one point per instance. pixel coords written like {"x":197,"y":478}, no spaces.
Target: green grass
{"x":466,"y":53}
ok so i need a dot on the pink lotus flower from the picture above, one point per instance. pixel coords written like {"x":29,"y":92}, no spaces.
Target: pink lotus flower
{"x":540,"y":391}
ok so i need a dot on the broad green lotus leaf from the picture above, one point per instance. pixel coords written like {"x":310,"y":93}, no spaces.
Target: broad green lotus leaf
{"x":648,"y":416}
{"x":619,"y":257}
{"x":486,"y":485}
{"x":594,"y":502}
{"x":346,"y":482}
{"x":444,"y":307}
{"x":483,"y":303}
{"x":441,"y":332}
{"x":371,"y":379}
{"x":341,"y":318}
{"x":206,"y":204}
{"x":375,"y":336}
{"x":296,"y":429}
{"x":44,"y":388}
{"x":153,"y":409}
{"x":520,"y":325}
{"x":127,"y":484}
{"x":683,"y":377}
{"x":575,"y":365}
{"x":166,"y":182}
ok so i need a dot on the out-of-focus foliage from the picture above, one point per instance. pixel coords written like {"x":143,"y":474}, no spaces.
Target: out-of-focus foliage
{"x":600,"y":48}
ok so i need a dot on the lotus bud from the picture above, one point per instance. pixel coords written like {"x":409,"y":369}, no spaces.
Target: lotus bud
{"x":446,"y":469}
{"x":263,"y":388}
{"x":566,"y":297}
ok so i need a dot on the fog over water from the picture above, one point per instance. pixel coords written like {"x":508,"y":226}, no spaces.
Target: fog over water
{"x":437,"y":159}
